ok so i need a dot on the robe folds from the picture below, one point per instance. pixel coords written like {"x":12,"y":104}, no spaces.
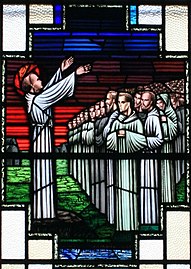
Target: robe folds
{"x":71,"y":150}
{"x":180,"y":142}
{"x":100,"y":166}
{"x":77,"y":149}
{"x":169,"y":128}
{"x":149,"y":187}
{"x":88,"y":146}
{"x":110,"y":166}
{"x":126,"y":174}
{"x":39,"y":109}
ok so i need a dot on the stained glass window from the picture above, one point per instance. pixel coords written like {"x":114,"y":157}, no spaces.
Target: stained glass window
{"x":95,"y":127}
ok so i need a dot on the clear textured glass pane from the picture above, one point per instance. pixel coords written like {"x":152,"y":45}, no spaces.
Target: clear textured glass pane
{"x":151,"y":249}
{"x":150,"y":15}
{"x":178,"y":232}
{"x":178,"y":266}
{"x":40,"y":266}
{"x":41,"y":14}
{"x":14,"y":27}
{"x":44,"y":245}
{"x":151,"y":266}
{"x":176,"y":28}
{"x":12,"y":266}
{"x":13,"y":234}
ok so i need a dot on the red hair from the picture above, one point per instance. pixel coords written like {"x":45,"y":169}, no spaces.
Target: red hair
{"x":22,"y":73}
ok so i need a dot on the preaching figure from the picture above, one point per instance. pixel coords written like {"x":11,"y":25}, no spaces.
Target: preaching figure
{"x":39,"y":102}
{"x":126,"y":136}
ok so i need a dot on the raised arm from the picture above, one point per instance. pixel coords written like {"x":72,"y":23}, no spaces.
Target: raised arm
{"x":58,"y":89}
{"x":58,"y":75}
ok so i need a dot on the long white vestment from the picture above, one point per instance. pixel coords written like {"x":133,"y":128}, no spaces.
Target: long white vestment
{"x":149,"y":189}
{"x":126,"y":181}
{"x":169,"y":128}
{"x":39,"y":108}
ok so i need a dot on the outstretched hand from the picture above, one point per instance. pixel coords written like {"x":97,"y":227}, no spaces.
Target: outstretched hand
{"x":83,"y":69}
{"x":66,"y":63}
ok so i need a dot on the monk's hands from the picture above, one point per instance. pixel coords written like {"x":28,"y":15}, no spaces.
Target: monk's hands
{"x":121,"y":133}
{"x":83,"y":69}
{"x":163,"y":119}
{"x":66,"y":63}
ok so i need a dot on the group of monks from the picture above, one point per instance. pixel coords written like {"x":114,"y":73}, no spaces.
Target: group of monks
{"x":126,"y":186}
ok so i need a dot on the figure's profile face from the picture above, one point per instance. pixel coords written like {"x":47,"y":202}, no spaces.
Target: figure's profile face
{"x":86,"y":115}
{"x":97,"y":110}
{"x":173,"y":101}
{"x":70,"y":125}
{"x":146,"y":102}
{"x":34,"y":81}
{"x":92,"y":112}
{"x":123,"y":104}
{"x":109,"y":102}
{"x":74,"y":123}
{"x":78,"y":120}
{"x":102,"y":108}
{"x":137,"y":100}
{"x":160,"y":104}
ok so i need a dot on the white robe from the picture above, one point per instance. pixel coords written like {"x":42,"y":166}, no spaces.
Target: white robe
{"x":77,"y":149}
{"x":100,"y":165}
{"x":88,"y":139}
{"x":126,"y":176}
{"x":39,"y":108}
{"x":110,"y":118}
{"x":149,"y":188}
{"x":85,"y":162}
{"x":180,"y":142}
{"x":169,"y":128}
{"x":71,"y":146}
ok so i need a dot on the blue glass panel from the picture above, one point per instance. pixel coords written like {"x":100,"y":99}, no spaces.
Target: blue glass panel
{"x":105,"y":42}
{"x":69,"y":254}
{"x":95,"y":254}
{"x":133,"y":14}
{"x":58,"y":14}
{"x":84,"y":33}
{"x":58,"y":34}
{"x":144,"y":34}
{"x":115,"y":34}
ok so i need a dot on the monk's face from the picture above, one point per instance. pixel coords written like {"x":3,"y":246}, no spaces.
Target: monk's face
{"x":97,"y":110}
{"x":92,"y":113}
{"x":161,"y":104}
{"x":70,"y":125}
{"x":86,"y":115}
{"x":102,"y":108}
{"x":137,"y":100}
{"x":74,"y":123}
{"x":109,"y":102}
{"x":146,"y":101}
{"x":173,"y":101}
{"x":123,"y":104}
